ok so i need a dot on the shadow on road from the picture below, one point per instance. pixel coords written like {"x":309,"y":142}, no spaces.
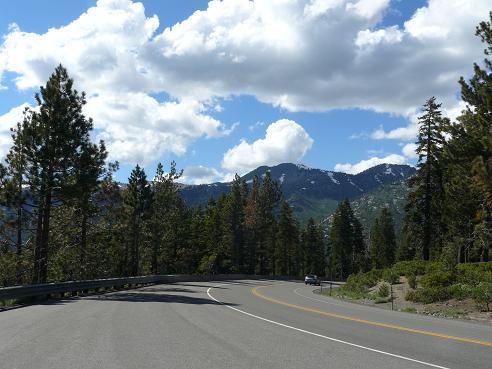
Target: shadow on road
{"x":154,"y":297}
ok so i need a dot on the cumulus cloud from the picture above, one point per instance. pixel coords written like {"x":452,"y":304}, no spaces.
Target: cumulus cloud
{"x":101,"y":50}
{"x":280,"y":51}
{"x":7,"y":121}
{"x":200,"y":174}
{"x":407,"y":133}
{"x":138,"y":128}
{"x":284,"y":141}
{"x":369,"y":163}
{"x":409,"y":150}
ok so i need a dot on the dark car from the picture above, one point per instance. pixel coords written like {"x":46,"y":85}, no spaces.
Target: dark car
{"x":312,"y":279}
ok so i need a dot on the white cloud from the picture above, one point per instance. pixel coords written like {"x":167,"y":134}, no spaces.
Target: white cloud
{"x":200,"y":174}
{"x":409,"y":151}
{"x":369,"y":163}
{"x":284,"y":141}
{"x":138,"y":128}
{"x":101,"y":50}
{"x":407,"y":133}
{"x":281,"y":52}
{"x":7,"y":121}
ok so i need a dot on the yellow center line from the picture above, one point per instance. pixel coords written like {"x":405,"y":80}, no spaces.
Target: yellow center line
{"x":255,"y":292}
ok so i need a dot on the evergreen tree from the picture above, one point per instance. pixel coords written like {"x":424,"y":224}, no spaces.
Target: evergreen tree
{"x":346,"y":239}
{"x":233,"y":221}
{"x":137,"y":198}
{"x":166,"y":202}
{"x":476,"y":125}
{"x":313,"y":249}
{"x":426,"y":199}
{"x":53,"y":139}
{"x":383,"y":240}
{"x":287,"y":249}
{"x":252,"y":224}
{"x":269,"y":196}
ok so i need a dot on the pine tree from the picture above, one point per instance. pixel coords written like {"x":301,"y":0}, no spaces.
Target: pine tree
{"x":138,"y":199}
{"x":383,"y":240}
{"x":269,"y":196}
{"x":313,"y":249}
{"x":52,"y":141}
{"x":346,"y":240}
{"x":287,"y":249}
{"x":14,"y":194}
{"x":476,"y":125}
{"x":426,"y":199}
{"x":252,"y":224}
{"x":233,"y":220}
{"x":165,"y":203}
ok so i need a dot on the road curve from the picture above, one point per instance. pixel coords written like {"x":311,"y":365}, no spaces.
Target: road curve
{"x":244,"y":324}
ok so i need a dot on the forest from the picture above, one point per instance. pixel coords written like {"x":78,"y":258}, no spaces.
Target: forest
{"x":64,"y":217}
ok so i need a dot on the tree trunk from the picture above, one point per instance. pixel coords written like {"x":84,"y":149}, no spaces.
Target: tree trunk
{"x":45,"y":238}
{"x":39,"y":235}
{"x":83,"y":243}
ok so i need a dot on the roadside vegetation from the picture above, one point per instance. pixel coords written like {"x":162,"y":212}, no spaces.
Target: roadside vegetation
{"x":425,"y":286}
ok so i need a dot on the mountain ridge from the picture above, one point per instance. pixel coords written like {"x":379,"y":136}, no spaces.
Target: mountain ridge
{"x":311,"y":192}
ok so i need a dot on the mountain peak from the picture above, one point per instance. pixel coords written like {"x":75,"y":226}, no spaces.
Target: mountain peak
{"x":299,"y":181}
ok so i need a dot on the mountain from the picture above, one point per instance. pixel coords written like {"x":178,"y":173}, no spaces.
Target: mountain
{"x":315,"y":192}
{"x":368,"y":206}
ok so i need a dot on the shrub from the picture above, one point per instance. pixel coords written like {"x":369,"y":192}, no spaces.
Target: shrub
{"x":383,"y":290}
{"x":459,"y":291}
{"x":412,"y":295}
{"x":409,"y":309}
{"x":482,"y":295}
{"x":416,"y":267}
{"x":362,"y":281}
{"x":412,"y":281}
{"x":474,"y":273}
{"x":382,"y":300}
{"x":437,"y":279}
{"x":428,"y":295}
{"x":390,"y":276}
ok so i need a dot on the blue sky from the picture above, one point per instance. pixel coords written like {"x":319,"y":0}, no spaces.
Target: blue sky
{"x":337,"y":83}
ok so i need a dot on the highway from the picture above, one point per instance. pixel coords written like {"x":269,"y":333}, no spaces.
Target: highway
{"x":243,"y":324}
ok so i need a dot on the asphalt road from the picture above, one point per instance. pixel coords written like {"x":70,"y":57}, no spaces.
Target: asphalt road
{"x":248,"y":324}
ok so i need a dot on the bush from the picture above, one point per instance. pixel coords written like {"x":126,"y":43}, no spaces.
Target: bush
{"x":475,"y":273}
{"x":412,"y":281}
{"x":362,"y":281}
{"x":482,"y":295}
{"x":437,"y":279}
{"x":390,"y":276}
{"x":383,"y":290}
{"x":459,"y":291}
{"x":428,"y":295}
{"x":416,"y":267}
{"x":409,"y":309}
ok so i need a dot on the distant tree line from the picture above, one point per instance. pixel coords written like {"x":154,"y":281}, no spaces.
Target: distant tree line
{"x":64,"y":217}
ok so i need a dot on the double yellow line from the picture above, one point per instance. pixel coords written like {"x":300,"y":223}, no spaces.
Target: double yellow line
{"x":255,"y":292}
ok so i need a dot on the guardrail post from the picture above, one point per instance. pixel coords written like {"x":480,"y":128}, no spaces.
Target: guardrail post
{"x":391,"y":295}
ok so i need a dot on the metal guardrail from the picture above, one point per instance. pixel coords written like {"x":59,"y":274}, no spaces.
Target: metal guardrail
{"x":333,"y":282}
{"x":16,"y":292}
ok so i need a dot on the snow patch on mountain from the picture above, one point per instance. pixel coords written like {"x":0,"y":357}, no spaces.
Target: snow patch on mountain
{"x":330,"y":174}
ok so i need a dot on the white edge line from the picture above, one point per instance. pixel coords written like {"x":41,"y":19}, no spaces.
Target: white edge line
{"x":320,"y":335}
